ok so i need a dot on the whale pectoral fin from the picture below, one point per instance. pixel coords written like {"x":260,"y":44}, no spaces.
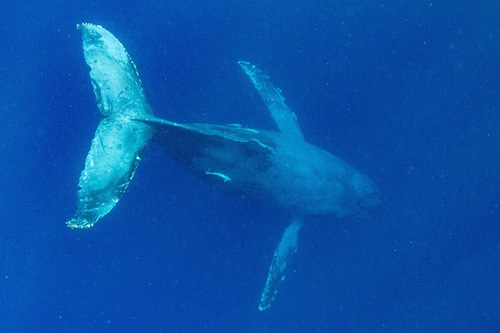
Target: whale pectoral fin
{"x":284,"y":252}
{"x":275,"y":102}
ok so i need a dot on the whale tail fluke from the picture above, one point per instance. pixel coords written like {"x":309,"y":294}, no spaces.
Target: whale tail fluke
{"x":119,"y":140}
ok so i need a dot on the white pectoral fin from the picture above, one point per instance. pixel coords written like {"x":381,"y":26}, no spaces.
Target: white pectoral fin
{"x":275,"y":102}
{"x":284,"y":252}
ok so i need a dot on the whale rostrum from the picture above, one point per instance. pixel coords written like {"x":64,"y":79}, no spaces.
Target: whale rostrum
{"x":277,"y":169}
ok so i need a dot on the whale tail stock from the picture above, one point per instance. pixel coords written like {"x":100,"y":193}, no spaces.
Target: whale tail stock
{"x":119,"y":140}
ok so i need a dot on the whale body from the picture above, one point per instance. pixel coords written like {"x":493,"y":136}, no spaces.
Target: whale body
{"x":277,"y":169}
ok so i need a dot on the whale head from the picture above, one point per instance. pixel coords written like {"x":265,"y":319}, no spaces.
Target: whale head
{"x":363,"y":197}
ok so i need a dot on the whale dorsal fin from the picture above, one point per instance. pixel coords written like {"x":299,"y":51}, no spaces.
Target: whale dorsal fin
{"x":275,"y":102}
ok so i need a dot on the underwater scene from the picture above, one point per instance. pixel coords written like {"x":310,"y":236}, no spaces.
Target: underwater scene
{"x":250,"y":166}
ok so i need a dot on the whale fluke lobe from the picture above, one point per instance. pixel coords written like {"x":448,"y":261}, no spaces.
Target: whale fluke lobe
{"x":282,"y":255}
{"x":119,"y":140}
{"x":275,"y":102}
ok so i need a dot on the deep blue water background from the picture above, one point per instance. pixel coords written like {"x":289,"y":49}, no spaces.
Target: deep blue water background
{"x":408,"y":92}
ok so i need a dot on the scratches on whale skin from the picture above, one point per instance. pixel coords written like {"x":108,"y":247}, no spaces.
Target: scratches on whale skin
{"x":218,"y":174}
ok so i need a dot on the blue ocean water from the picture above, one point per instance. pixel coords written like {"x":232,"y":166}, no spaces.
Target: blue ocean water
{"x":408,"y":92}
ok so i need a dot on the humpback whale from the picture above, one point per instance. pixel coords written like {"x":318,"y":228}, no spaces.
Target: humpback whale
{"x":278,"y":169}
